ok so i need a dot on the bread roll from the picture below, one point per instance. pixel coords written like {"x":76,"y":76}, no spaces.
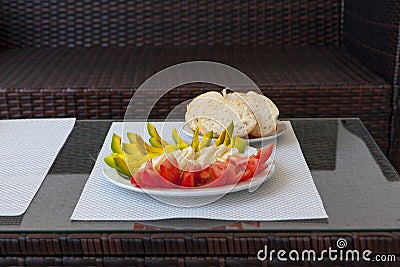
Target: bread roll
{"x":212,"y":112}
{"x":252,"y":114}
{"x":264,"y":112}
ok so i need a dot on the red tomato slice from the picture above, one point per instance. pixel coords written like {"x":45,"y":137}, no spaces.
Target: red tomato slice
{"x":188,"y":179}
{"x":210,"y":174}
{"x":231,"y":173}
{"x":237,"y":169}
{"x":241,"y":167}
{"x":149,"y":178}
{"x":137,"y":178}
{"x":264,"y":153}
{"x":133,"y":181}
{"x":219,"y":174}
{"x":205,"y":176}
{"x":251,"y":168}
{"x":170,"y":172}
{"x":261,"y":167}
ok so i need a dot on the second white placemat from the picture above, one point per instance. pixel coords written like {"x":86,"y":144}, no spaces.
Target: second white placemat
{"x":27,"y":151}
{"x":289,"y":195}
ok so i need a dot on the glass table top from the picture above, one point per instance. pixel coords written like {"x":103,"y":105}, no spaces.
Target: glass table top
{"x":358,"y":186}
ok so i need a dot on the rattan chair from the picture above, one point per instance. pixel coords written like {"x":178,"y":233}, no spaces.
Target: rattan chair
{"x":328,"y":58}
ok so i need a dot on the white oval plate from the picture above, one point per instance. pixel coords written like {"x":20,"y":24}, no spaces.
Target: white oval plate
{"x":113,"y":176}
{"x":187,"y":134}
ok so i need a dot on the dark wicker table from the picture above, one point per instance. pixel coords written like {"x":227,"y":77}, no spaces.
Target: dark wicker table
{"x":358,"y":186}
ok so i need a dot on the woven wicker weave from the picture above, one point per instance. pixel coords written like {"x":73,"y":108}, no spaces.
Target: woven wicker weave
{"x":173,"y":249}
{"x":82,"y":78}
{"x":372,"y":34}
{"x":79,"y":23}
{"x":99,"y":82}
{"x":61,"y":24}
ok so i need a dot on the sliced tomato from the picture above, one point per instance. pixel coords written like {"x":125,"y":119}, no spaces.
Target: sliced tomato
{"x":170,"y":172}
{"x":219,"y":174}
{"x":264,"y":153}
{"x":137,"y":178}
{"x":237,"y":169}
{"x":231,"y":174}
{"x":149,"y":178}
{"x":205,"y":176}
{"x":251,"y":167}
{"x":239,"y":163}
{"x":188,"y":179}
{"x":211,"y":173}
{"x":242,"y":167}
{"x":133,"y":181}
{"x":261,"y":167}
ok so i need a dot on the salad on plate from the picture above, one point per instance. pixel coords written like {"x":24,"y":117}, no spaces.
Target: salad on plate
{"x":203,"y":163}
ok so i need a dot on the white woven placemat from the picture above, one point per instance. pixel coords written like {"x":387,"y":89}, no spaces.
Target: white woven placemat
{"x":27,"y":151}
{"x":289,"y":195}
